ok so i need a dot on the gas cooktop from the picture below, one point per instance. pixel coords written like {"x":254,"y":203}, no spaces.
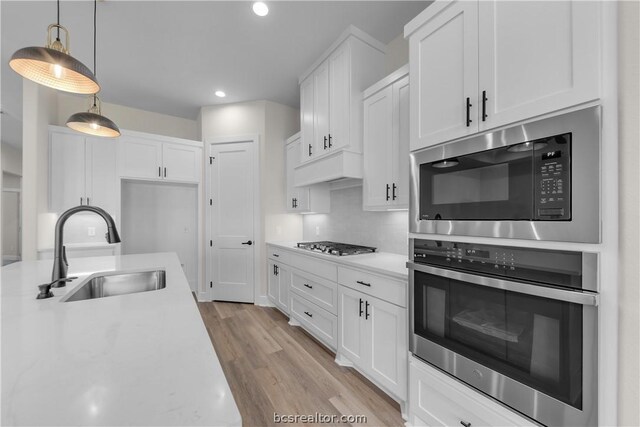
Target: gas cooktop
{"x":334,"y":248}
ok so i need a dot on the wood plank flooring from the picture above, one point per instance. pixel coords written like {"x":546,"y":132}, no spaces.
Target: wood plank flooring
{"x":273,"y":367}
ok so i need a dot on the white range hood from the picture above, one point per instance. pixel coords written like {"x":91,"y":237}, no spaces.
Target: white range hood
{"x":342,"y":164}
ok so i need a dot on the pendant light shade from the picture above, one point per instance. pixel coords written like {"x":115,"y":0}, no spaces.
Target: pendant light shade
{"x":52,"y":66}
{"x":92,"y":122}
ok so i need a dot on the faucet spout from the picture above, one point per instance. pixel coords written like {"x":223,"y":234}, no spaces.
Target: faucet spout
{"x":60,"y":263}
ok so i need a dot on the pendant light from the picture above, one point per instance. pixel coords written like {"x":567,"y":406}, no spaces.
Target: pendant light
{"x":93,"y":122}
{"x":52,"y":65}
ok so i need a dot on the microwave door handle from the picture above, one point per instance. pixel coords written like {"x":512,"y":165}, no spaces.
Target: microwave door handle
{"x":577,"y":297}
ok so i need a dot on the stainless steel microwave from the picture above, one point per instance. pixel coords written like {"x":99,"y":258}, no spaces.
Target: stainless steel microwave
{"x":538,"y":181}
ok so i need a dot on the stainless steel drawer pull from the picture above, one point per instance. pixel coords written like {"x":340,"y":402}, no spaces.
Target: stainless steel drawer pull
{"x":308,"y":286}
{"x":363,"y":283}
{"x":308,"y":314}
{"x":276,"y":255}
{"x":465,"y":424}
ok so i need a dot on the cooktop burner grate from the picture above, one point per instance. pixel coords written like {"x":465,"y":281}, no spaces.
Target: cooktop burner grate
{"x":335,"y":248}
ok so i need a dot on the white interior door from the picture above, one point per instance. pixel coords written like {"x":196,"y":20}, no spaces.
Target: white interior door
{"x":232,"y":222}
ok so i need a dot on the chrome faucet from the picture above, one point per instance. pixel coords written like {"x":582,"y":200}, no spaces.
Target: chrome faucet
{"x":60,"y":263}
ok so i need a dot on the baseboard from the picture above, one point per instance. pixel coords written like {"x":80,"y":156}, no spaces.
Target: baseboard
{"x":204,"y":296}
{"x":263,"y":301}
{"x":343,"y":361}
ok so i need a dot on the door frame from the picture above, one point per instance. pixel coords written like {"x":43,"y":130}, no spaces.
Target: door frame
{"x":258,"y":240}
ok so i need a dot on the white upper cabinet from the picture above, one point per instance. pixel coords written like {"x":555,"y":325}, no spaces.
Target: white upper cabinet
{"x":146,"y":157}
{"x":181,"y":162}
{"x":340,"y":98}
{"x":481,"y":65}
{"x":386,"y":143}
{"x":307,"y":117}
{"x":443,"y":58}
{"x":82,"y":171}
{"x":141,"y":158}
{"x":536,"y":57}
{"x":314,"y":198}
{"x":331,"y":93}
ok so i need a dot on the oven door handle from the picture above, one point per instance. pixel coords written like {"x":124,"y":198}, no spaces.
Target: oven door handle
{"x":583,"y":298}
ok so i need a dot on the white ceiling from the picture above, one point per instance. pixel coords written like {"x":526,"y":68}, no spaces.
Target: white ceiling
{"x":170,"y":56}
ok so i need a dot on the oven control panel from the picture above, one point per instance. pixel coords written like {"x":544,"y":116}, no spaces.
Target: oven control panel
{"x":538,"y":265}
{"x":552,"y":169}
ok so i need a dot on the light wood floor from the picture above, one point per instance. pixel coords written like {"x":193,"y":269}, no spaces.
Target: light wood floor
{"x":274,"y":367}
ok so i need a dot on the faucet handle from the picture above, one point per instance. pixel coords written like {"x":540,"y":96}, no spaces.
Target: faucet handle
{"x":60,"y":283}
{"x":45,"y":291}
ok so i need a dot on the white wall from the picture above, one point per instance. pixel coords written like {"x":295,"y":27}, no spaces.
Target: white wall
{"x":629,"y":138}
{"x":39,"y":108}
{"x":397,"y":54}
{"x":129,"y":118}
{"x":11,"y":159}
{"x":273,"y":123}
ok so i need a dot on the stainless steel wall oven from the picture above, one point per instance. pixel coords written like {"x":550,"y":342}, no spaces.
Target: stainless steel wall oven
{"x":518,"y":324}
{"x":539,"y":181}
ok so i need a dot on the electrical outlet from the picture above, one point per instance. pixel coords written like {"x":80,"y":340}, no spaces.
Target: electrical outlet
{"x":91,"y":231}
{"x":317,"y":230}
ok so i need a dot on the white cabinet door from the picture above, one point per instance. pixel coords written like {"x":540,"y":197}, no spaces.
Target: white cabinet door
{"x":273,"y":285}
{"x":352,"y":337}
{"x":307,"y":117}
{"x":378,"y":134}
{"x":181,"y":162}
{"x":141,"y":158}
{"x":400,"y":147}
{"x":321,"y":109}
{"x":292,"y":155}
{"x":444,"y":74}
{"x":536,"y":57}
{"x":339,"y":98}
{"x":386,"y":329}
{"x":67,"y":171}
{"x":284,"y":284}
{"x":101,"y":180}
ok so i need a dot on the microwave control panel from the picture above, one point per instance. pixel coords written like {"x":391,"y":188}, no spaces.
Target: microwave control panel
{"x":552,"y":168}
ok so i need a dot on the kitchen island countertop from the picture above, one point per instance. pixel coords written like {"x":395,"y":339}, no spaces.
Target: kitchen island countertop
{"x":136,"y":359}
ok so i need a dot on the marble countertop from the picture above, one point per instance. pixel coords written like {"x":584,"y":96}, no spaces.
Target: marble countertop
{"x":394,"y":265}
{"x":137,"y":359}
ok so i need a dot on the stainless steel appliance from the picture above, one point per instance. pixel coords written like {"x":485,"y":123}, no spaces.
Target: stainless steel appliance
{"x":539,"y":181}
{"x":334,"y":248}
{"x":518,"y":324}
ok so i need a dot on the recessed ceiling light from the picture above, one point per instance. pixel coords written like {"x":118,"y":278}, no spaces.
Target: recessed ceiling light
{"x":260,"y":8}
{"x":220,"y":94}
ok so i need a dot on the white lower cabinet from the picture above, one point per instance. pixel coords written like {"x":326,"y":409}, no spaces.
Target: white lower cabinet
{"x":373,"y":336}
{"x":317,"y":321}
{"x":278,"y":285}
{"x":436,"y":399}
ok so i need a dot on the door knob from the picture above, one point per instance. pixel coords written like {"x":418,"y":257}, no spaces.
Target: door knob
{"x":248,"y":242}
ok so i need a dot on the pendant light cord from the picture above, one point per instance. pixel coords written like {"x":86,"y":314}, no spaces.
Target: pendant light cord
{"x":95,"y":14}
{"x":58,"y":34}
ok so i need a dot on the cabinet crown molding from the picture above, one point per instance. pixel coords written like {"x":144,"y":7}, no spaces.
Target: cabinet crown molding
{"x":351,"y":31}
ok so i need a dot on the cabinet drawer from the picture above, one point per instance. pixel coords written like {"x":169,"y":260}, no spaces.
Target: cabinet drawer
{"x":276,"y":254}
{"x":317,"y":267}
{"x":440,"y":400}
{"x":320,"y":323}
{"x":385,"y":288}
{"x":316,"y":289}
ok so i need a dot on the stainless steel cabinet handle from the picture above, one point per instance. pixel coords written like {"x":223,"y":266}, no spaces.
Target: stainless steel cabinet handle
{"x":366,"y":310}
{"x":469,"y":105}
{"x":308,"y":286}
{"x":165,"y":172}
{"x":308,"y":314}
{"x":159,"y":172}
{"x":363,"y":283}
{"x":465,"y":424}
{"x":360,"y":307}
{"x":276,"y":255}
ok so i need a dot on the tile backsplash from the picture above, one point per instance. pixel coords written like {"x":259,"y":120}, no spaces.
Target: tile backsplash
{"x":348,"y":223}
